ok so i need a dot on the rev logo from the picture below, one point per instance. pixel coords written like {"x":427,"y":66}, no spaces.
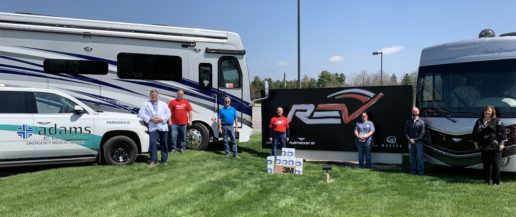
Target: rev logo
{"x":328,"y":113}
{"x":25,"y":131}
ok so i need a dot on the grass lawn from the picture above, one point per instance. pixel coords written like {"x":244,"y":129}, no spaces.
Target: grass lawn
{"x":206,"y":183}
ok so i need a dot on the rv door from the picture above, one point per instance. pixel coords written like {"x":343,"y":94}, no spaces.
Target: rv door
{"x":230,"y":81}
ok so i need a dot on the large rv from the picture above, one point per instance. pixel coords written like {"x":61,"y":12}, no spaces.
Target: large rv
{"x":455,"y":81}
{"x":112,"y":66}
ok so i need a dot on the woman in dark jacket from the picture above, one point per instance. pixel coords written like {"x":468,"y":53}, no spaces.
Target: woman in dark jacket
{"x":489,"y":137}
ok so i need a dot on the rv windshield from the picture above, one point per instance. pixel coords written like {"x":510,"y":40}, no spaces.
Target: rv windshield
{"x":462,"y":89}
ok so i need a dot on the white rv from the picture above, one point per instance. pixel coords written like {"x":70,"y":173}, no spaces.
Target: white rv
{"x":112,"y":66}
{"x":455,"y":81}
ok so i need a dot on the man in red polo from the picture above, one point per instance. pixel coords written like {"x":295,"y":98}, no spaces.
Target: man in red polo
{"x":181,"y":118}
{"x":279,"y":130}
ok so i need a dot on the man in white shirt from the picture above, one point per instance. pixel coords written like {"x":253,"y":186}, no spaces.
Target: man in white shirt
{"x":156,"y":114}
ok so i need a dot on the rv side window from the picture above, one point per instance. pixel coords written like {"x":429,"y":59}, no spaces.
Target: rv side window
{"x":149,"y":67}
{"x":13,"y":102}
{"x":49,"y":103}
{"x":55,"y":66}
{"x":205,"y":72}
{"x":229,"y":73}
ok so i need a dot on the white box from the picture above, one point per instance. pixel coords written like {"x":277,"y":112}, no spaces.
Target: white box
{"x":270,"y":160}
{"x":270,"y":169}
{"x":289,"y":152}
{"x":298,"y":171}
{"x":299,"y":162}
{"x":279,"y":160}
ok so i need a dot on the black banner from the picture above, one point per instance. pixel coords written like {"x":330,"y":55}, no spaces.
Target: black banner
{"x":324,"y":119}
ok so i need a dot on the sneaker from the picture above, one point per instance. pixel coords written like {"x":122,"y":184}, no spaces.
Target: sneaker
{"x":238,"y":157}
{"x":163,"y":162}
{"x":173,"y":151}
{"x":152,"y":164}
{"x":182,"y":150}
{"x":228,"y":155}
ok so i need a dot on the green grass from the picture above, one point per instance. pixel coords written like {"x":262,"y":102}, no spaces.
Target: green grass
{"x":206,"y":183}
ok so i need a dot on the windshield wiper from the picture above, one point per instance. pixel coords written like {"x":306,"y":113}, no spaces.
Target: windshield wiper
{"x":446,"y":112}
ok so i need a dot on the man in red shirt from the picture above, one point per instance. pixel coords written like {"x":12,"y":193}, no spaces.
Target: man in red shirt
{"x":181,"y":117}
{"x":279,"y":130}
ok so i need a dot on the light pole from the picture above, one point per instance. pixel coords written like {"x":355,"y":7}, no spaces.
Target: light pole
{"x":299,"y":44}
{"x":381,"y":65}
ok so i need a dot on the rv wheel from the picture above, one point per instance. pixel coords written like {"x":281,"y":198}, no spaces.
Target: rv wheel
{"x":119,"y":150}
{"x":197,"y":137}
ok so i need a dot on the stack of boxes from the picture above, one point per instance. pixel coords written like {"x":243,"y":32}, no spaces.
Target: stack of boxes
{"x":287,"y":163}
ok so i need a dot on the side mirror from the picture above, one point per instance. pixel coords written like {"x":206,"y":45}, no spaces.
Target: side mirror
{"x":265,"y":91}
{"x":79,"y":110}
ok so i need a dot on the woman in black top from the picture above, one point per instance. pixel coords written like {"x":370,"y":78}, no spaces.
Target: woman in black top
{"x":489,"y":137}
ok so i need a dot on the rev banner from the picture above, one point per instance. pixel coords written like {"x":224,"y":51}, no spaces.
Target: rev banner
{"x":324,"y":119}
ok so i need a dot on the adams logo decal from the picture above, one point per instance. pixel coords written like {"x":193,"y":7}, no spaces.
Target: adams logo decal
{"x":334,"y":113}
{"x":25,"y":131}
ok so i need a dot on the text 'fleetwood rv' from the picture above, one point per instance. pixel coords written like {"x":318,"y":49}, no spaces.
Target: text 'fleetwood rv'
{"x":455,"y":81}
{"x":112,"y":66}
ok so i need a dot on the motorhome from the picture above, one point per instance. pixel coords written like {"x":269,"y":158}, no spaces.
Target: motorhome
{"x":112,"y":66}
{"x":455,"y":81}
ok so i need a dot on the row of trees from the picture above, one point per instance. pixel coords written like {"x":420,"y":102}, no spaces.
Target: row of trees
{"x":328,"y":79}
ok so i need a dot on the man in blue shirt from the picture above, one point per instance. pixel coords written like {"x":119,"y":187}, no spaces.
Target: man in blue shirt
{"x":156,"y":114}
{"x":226,"y":117}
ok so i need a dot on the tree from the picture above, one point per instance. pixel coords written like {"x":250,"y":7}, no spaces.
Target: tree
{"x":362,"y":79}
{"x":393,"y":79}
{"x":256,"y":86}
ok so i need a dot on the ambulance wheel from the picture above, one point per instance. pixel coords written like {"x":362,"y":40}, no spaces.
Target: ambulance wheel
{"x":119,"y":150}
{"x":197,"y":137}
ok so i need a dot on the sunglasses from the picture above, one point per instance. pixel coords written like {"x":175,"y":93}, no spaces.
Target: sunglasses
{"x":227,"y":101}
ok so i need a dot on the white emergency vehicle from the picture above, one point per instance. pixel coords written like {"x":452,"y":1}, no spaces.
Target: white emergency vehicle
{"x":44,"y":126}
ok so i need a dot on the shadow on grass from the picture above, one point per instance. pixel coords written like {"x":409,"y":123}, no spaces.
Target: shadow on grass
{"x":4,"y":172}
{"x":442,"y":173}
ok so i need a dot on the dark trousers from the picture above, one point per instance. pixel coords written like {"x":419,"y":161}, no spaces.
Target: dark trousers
{"x":153,"y":146}
{"x":491,"y":160}
{"x":279,"y":140}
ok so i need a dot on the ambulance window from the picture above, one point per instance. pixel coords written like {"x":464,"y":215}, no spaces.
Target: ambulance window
{"x":149,"y":67}
{"x":12,"y":102}
{"x":49,"y":103}
{"x":205,"y":72}
{"x":229,"y":73}
{"x":55,"y":66}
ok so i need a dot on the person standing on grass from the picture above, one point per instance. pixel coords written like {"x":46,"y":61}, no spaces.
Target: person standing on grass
{"x":489,"y":137}
{"x":156,"y":114}
{"x":415,"y":134}
{"x":181,"y":117}
{"x":279,"y":130}
{"x":364,"y":130}
{"x":226,"y":117}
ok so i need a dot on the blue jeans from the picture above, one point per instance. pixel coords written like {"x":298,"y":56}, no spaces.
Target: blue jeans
{"x":229,"y":131}
{"x":364,"y":153}
{"x":178,"y":133}
{"x":417,"y":158}
{"x":153,"y":146}
{"x":280,"y":138}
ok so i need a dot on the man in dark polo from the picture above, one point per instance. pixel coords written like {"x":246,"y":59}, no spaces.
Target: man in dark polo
{"x":415,"y":134}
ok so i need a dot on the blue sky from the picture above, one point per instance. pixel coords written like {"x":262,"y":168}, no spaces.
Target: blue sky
{"x":336,"y":35}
